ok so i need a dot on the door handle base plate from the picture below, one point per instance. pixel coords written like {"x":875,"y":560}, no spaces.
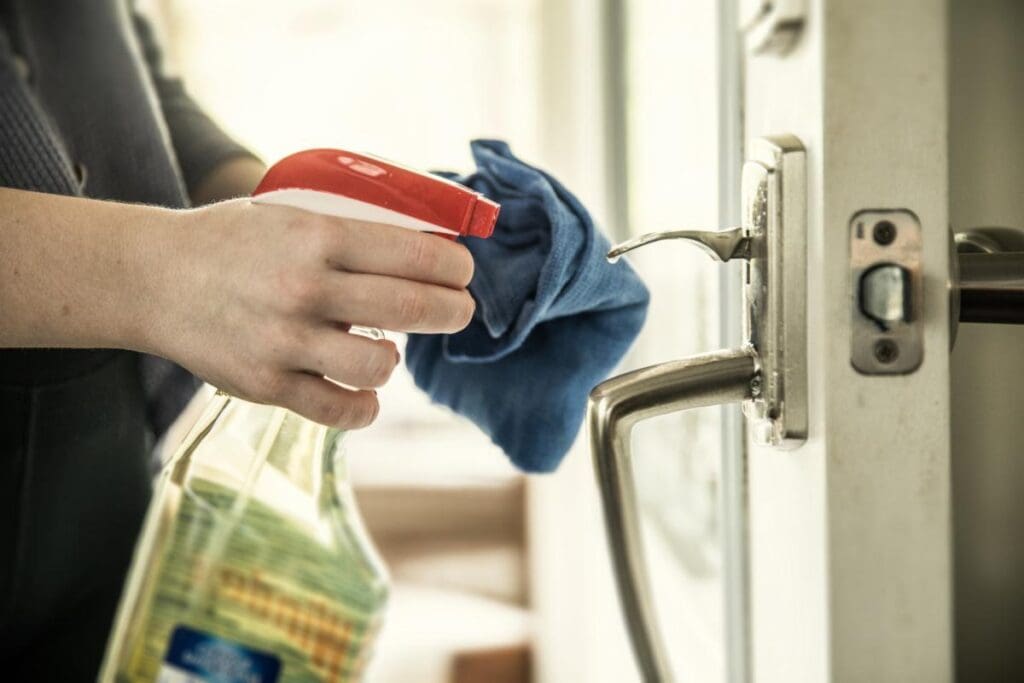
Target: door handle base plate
{"x":775,"y":287}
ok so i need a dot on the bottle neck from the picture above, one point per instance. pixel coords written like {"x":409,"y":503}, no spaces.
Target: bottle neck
{"x":302,"y":450}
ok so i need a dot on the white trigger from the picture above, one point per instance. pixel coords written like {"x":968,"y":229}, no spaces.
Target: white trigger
{"x":340,"y":206}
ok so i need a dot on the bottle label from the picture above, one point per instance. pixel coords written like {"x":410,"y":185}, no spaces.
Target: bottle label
{"x":197,"y":657}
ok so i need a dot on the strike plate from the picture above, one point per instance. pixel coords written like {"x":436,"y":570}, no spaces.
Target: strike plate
{"x":775,"y":282}
{"x":887,"y":335}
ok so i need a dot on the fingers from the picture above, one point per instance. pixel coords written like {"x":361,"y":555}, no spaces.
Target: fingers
{"x":395,"y":304}
{"x":348,"y":358}
{"x":387,"y":250}
{"x":296,"y":379}
{"x":325,"y":402}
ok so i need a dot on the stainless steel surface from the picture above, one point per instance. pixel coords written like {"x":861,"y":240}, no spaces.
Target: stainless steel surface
{"x":770,"y":370}
{"x":991,"y":288}
{"x":884,"y":294}
{"x":773,"y":239}
{"x":989,"y":239}
{"x":721,"y":245}
{"x":616,"y":406}
{"x":951,"y":286}
{"x":987,"y":277}
{"x":886,"y":239}
{"x":976,"y":242}
{"x":774,"y":202}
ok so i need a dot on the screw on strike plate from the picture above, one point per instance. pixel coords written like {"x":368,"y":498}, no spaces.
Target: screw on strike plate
{"x":884,"y":233}
{"x":886,"y":351}
{"x":755,"y":386}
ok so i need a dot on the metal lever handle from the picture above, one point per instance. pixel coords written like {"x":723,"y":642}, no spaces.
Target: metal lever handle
{"x":991,"y":287}
{"x":768,"y":373}
{"x":721,"y":245}
{"x":987,"y":285}
{"x":616,"y":406}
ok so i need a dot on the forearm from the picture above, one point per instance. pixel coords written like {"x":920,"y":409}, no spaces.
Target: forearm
{"x":236,"y":177}
{"x":251,"y":298}
{"x":71,"y":270}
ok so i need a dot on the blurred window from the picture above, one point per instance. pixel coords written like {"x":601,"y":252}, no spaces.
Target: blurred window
{"x":403,"y":79}
{"x":672,"y":160}
{"x":414,"y":81}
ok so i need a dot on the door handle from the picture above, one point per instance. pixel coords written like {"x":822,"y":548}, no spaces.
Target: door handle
{"x":991,"y":288}
{"x":985,"y":285}
{"x":721,"y":245}
{"x":767,"y":372}
{"x":616,"y":406}
{"x":988,"y":279}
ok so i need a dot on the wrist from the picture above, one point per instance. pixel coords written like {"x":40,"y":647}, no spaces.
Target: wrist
{"x":84,"y":273}
{"x":151,"y":255}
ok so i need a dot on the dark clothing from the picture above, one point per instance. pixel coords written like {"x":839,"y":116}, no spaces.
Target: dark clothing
{"x":93,"y":114}
{"x":95,"y":94}
{"x":84,"y":110}
{"x":74,"y":483}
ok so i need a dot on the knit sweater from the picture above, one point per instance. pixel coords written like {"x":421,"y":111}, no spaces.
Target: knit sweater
{"x":86,"y":109}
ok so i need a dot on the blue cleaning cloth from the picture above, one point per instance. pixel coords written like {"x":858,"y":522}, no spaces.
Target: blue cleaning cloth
{"x":553,"y":317}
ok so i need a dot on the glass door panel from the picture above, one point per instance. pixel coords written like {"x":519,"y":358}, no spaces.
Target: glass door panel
{"x":672,"y":150}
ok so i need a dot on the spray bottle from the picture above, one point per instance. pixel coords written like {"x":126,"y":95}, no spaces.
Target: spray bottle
{"x":253,"y":565}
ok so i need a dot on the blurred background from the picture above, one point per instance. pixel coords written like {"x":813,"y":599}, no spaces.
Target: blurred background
{"x":499,"y":577}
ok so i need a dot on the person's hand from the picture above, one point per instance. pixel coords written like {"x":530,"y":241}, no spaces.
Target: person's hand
{"x":256,"y":299}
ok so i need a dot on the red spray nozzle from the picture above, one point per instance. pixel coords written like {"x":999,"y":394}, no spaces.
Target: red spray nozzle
{"x":350,"y":185}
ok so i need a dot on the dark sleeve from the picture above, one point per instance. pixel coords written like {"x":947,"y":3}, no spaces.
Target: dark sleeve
{"x":199,"y":143}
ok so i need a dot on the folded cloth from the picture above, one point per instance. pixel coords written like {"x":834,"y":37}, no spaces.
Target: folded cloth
{"x":553,"y":317}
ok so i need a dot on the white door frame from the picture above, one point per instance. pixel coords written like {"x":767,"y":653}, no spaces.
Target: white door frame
{"x":850,"y":545}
